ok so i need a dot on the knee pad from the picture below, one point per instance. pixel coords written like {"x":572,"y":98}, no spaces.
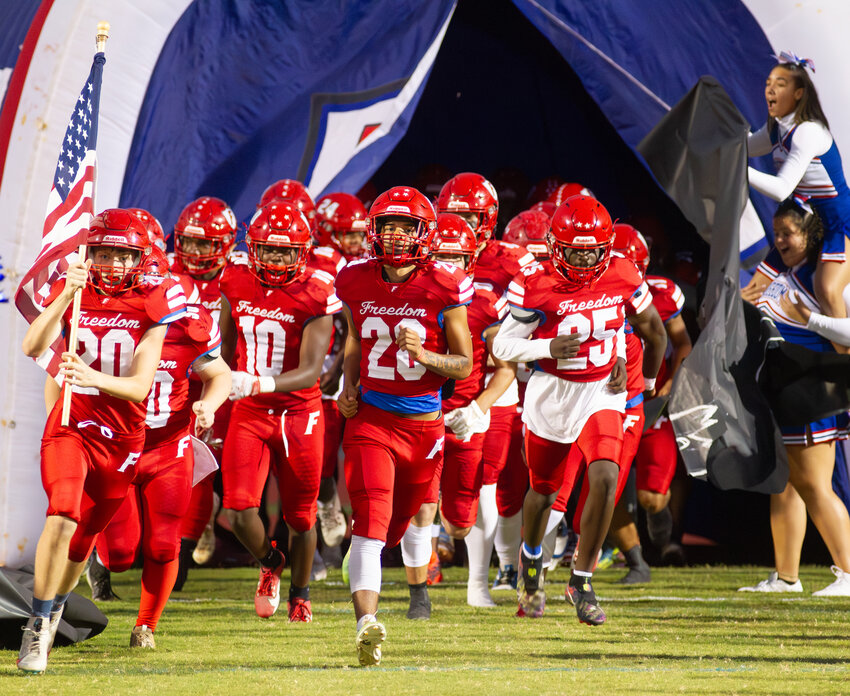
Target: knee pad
{"x":364,"y":564}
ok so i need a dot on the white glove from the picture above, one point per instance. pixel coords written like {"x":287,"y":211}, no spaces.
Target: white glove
{"x":467,"y":421}
{"x":243,"y":385}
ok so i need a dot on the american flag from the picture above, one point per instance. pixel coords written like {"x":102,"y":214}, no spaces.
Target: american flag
{"x":70,"y":208}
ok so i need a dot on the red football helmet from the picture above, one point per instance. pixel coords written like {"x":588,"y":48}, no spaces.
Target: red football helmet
{"x":155,"y":233}
{"x":631,"y":243}
{"x":455,"y":237}
{"x":210,"y":220}
{"x":408,"y":205}
{"x":156,"y":262}
{"x":291,"y":191}
{"x":543,"y":189}
{"x":471,"y":193}
{"x":117,"y":228}
{"x":279,"y":226}
{"x":580,"y":223}
{"x":564,"y":191}
{"x":545,"y":207}
{"x":339,"y":214}
{"x":529,"y":230}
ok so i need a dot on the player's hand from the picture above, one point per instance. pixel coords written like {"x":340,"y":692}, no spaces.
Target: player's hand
{"x":796,"y":310}
{"x":665,"y":388}
{"x":329,"y":382}
{"x":617,"y":380}
{"x":467,"y":421}
{"x":243,"y":385}
{"x":76,"y":277}
{"x":408,"y":340}
{"x":204,"y":417}
{"x":347,"y":401}
{"x":565,"y":346}
{"x":76,"y":372}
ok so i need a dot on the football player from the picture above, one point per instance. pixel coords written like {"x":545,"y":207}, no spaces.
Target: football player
{"x":88,"y":465}
{"x":657,"y":452}
{"x":159,"y":497}
{"x":474,"y":198}
{"x":204,"y":238}
{"x":468,"y":508}
{"x":276,"y":320}
{"x":407,"y":334}
{"x":581,"y":296}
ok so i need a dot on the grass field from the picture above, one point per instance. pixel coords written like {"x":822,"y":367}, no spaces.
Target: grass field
{"x":687,"y":632}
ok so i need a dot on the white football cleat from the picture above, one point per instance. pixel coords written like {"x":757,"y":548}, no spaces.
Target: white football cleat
{"x":368,"y":642}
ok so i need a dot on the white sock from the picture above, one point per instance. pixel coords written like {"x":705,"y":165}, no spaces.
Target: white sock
{"x":508,"y":538}
{"x":552,"y":523}
{"x":364,"y":564}
{"x":435,"y":531}
{"x":416,"y":546}
{"x":364,"y":619}
{"x":479,"y":541}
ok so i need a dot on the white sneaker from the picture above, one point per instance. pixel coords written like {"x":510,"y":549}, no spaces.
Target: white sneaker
{"x":478,"y":596}
{"x":55,"y":618}
{"x":839,"y":588}
{"x":368,"y":642}
{"x":774,"y":584}
{"x":35,"y":645}
{"x":331,"y":521}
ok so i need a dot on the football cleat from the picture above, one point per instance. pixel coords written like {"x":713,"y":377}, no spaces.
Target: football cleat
{"x":300,"y":610}
{"x":587,"y":609}
{"x":55,"y":620}
{"x":369,"y":639}
{"x":839,"y":588}
{"x":331,"y":521}
{"x":35,"y":645}
{"x":267,"y":596}
{"x":506,"y":579}
{"x":435,"y":570}
{"x":637,"y":575}
{"x":142,"y":637}
{"x":531,"y":596}
{"x":100,"y":580}
{"x":773,"y":584}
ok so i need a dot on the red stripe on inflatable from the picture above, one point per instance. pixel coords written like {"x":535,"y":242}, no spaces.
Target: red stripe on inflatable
{"x":18,"y":79}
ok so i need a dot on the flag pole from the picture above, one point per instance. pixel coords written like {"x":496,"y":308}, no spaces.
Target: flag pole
{"x":100,"y":40}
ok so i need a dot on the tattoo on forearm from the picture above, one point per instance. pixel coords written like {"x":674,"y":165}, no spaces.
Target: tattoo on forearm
{"x":445,"y":365}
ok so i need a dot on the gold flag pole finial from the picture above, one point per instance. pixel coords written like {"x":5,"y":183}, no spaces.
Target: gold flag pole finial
{"x":102,"y":36}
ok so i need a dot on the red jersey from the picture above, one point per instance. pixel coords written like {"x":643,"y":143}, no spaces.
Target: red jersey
{"x":668,"y":300}
{"x":109,"y":332}
{"x":270,"y":322}
{"x":379,"y":309}
{"x":596,"y":312}
{"x":499,"y":262}
{"x":328,"y":259}
{"x":486,"y":309}
{"x":169,"y":405}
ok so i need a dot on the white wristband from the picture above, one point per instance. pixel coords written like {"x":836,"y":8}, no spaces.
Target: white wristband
{"x":648,"y":383}
{"x":266,"y":384}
